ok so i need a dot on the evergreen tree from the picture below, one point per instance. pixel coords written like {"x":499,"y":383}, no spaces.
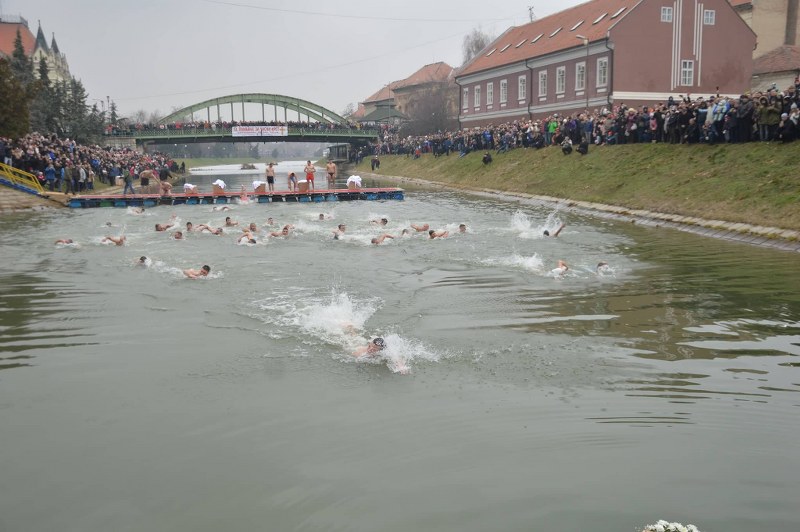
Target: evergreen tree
{"x":14,"y":100}
{"x":44,"y":108}
{"x":21,"y":66}
{"x":113,"y":117}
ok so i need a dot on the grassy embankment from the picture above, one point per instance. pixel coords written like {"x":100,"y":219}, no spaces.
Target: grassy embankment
{"x":754,"y":183}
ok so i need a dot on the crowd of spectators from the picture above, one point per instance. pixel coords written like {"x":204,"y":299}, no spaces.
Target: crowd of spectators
{"x":761,"y":116}
{"x":64,"y":165}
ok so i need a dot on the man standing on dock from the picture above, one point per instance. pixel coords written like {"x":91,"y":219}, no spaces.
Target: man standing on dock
{"x":331,"y":169}
{"x":270,"y":173}
{"x":310,"y":171}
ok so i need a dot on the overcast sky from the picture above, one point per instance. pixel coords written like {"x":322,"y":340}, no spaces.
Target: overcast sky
{"x":161,"y":55}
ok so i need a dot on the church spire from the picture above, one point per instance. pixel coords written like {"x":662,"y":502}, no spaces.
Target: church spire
{"x":41,"y":42}
{"x":54,"y":46}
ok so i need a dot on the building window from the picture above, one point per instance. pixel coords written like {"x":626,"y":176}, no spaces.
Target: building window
{"x":666,"y":14}
{"x":522,"y":88}
{"x":543,"y":83}
{"x":561,"y":80}
{"x":503,"y":91}
{"x":489,"y":93}
{"x":465,"y":99}
{"x":580,"y":76}
{"x":709,"y":17}
{"x":477,"y":97}
{"x":687,"y":73}
{"x":602,"y":72}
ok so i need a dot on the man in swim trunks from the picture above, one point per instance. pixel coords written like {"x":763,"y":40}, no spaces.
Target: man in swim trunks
{"x":379,"y":239}
{"x":196,"y":274}
{"x":292,"y":182}
{"x":310,"y":170}
{"x":437,"y":234}
{"x":331,"y":169}
{"x":270,"y":172}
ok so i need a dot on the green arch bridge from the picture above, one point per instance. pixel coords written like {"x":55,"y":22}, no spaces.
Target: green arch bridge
{"x":299,"y":121}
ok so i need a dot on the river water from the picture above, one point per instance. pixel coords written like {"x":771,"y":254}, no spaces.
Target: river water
{"x":509,"y":397}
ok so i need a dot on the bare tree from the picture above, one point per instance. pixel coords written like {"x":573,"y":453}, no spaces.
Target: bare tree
{"x":432,"y":111}
{"x":349,"y":109}
{"x":474,"y":42}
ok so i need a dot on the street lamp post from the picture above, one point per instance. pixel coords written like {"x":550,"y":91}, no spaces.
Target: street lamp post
{"x":585,"y":69}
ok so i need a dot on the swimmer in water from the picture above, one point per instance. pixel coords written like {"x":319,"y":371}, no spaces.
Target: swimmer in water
{"x":547,"y":233}
{"x":137,"y":210}
{"x":222,"y":208}
{"x":437,"y":234}
{"x":189,"y":227}
{"x":423,"y":228}
{"x":462,"y":228}
{"x":270,"y":221}
{"x":178,"y":235}
{"x":337,"y":234}
{"x":379,"y":239}
{"x":248,"y":237}
{"x":371,"y":349}
{"x":118,"y":240}
{"x":64,"y":241}
{"x":283,"y":232}
{"x":142,"y":261}
{"x":163,"y":227}
{"x":212,"y":230}
{"x":196,"y":274}
{"x":602,"y":267}
{"x":229,"y":222}
{"x":324,"y":216}
{"x":253,"y":228}
{"x":561,"y":269}
{"x":382,"y":221}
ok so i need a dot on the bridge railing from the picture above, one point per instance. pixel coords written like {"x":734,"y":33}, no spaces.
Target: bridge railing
{"x":19,"y":178}
{"x":225,"y":132}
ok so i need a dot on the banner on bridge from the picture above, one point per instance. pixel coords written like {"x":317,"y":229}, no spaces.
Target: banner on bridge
{"x":260,"y":131}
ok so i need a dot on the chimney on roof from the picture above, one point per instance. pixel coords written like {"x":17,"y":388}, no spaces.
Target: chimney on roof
{"x":790,"y":36}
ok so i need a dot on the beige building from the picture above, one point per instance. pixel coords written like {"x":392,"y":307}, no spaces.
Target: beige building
{"x":777,"y":55}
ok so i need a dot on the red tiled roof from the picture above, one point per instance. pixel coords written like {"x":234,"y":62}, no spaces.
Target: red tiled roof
{"x":8,"y":34}
{"x":359,"y":112}
{"x":435,"y":72}
{"x":550,"y":34}
{"x":781,"y":59}
{"x":386,"y":93}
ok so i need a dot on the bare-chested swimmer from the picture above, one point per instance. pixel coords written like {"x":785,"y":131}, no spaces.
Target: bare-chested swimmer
{"x":340,"y":229}
{"x":437,"y":234}
{"x":283,"y":232}
{"x":247,"y":237}
{"x":212,"y":230}
{"x":64,"y":241}
{"x":462,"y":228}
{"x":547,"y":233}
{"x":379,"y":239}
{"x":196,"y":274}
{"x":229,"y":222}
{"x":163,"y":227}
{"x":178,"y":235}
{"x":371,"y":349}
{"x":118,"y":240}
{"x":561,"y":269}
{"x":420,"y":228}
{"x":382,"y":221}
